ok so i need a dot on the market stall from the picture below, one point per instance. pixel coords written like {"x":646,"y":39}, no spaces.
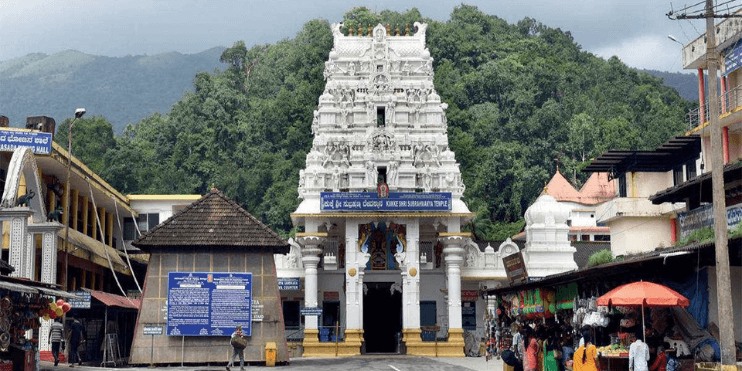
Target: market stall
{"x":23,"y":305}
{"x":615,"y":356}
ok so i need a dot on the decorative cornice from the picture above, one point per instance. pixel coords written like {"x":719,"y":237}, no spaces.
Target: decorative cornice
{"x":455,"y":234}
{"x":310,"y":234}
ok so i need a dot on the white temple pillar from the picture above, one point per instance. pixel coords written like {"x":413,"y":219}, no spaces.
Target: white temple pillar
{"x":18,"y":249}
{"x":310,"y":256}
{"x":355,"y":263}
{"x":453,"y":255}
{"x":353,"y":278}
{"x":411,"y":278}
{"x":48,"y":232}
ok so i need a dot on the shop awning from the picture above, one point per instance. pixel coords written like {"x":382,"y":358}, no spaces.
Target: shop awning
{"x":676,"y":151}
{"x":31,"y":287}
{"x":113,"y":300}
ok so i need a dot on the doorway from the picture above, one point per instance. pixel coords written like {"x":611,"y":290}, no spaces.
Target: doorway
{"x":382,"y":318}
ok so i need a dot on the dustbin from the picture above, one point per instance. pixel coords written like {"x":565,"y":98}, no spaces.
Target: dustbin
{"x":270,"y":354}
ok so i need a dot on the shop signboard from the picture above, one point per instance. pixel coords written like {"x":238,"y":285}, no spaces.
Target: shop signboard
{"x":209,"y":303}
{"x":81,"y":300}
{"x":39,"y":143}
{"x":311,"y":311}
{"x":395,"y":201}
{"x":515,"y":267}
{"x":469,"y":295}
{"x":703,"y":217}
{"x":152,"y":329}
{"x":288,"y":283}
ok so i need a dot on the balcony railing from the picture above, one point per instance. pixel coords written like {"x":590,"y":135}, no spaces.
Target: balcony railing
{"x":730,"y":100}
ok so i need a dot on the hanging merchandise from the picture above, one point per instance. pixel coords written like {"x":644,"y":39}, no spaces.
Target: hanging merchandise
{"x":565,"y":296}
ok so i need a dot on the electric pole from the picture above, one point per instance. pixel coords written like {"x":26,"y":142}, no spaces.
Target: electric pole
{"x":723,"y":279}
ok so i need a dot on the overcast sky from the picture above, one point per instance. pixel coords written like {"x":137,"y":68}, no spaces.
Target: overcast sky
{"x":635,"y":31}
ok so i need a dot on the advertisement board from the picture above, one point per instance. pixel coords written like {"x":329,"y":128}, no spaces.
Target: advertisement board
{"x":209,"y":303}
{"x":40,"y":143}
{"x":81,"y":300}
{"x":395,"y":201}
{"x":703,"y":217}
{"x":515,"y":267}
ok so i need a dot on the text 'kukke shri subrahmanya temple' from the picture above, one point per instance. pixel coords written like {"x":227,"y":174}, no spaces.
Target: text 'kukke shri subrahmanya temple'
{"x":383,"y":255}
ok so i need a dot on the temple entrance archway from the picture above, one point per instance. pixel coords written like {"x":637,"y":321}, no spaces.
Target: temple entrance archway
{"x":382,"y":317}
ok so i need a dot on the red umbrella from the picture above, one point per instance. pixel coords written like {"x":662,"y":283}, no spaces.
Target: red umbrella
{"x":643,"y":294}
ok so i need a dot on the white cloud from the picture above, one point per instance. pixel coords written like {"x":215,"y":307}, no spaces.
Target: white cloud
{"x":650,"y":52}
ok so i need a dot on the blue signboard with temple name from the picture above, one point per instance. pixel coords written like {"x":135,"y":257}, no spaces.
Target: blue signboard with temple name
{"x":209,"y":303}
{"x":396,"y":201}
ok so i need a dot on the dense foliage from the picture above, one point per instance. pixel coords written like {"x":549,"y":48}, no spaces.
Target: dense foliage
{"x":125,"y":89}
{"x":523,"y":98}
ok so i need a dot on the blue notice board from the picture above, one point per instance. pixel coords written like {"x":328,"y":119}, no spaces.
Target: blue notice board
{"x":397,"y":201}
{"x":208,"y":303}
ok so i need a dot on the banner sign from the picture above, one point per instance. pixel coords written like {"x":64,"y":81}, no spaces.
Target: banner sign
{"x":395,"y":201}
{"x":288,"y":283}
{"x":311,"y":311}
{"x":81,"y":300}
{"x":703,"y":217}
{"x":515,"y":267}
{"x":152,"y":330}
{"x":209,"y":303}
{"x":39,"y":143}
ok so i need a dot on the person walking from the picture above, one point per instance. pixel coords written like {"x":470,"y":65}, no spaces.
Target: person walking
{"x":56,"y":337}
{"x":237,"y":341}
{"x":585,"y":358}
{"x":77,"y":336}
{"x":638,"y":355}
{"x":531,"y":360}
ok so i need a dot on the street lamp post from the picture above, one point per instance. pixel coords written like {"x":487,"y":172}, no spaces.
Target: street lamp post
{"x":78,"y":113}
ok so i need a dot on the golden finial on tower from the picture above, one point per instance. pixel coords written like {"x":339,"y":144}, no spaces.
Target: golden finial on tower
{"x":388,"y":29}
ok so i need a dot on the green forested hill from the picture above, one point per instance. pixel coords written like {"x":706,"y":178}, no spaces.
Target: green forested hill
{"x":523,"y":98}
{"x":123,"y":89}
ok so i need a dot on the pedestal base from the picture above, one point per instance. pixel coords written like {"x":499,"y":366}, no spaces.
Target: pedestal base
{"x":454,"y":347}
{"x":351,"y":346}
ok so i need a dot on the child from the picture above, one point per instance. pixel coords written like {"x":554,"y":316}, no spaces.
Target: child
{"x":672,"y":362}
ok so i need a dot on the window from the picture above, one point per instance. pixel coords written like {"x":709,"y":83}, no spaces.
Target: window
{"x":380,"y":116}
{"x":677,"y":175}
{"x":427,"y":314}
{"x":291,"y":316}
{"x":469,"y":315}
{"x":690,"y":170}
{"x":603,"y":237}
{"x":585,"y":237}
{"x":130,"y":232}
{"x":622,"y":185}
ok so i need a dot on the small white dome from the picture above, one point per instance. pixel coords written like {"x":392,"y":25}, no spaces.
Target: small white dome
{"x":546,"y":210}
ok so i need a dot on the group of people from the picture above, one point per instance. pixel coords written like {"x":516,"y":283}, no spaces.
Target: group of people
{"x":553,"y":349}
{"x":75,"y":336}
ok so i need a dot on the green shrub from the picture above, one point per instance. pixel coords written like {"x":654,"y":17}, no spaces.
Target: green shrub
{"x":600,"y":257}
{"x":700,"y":235}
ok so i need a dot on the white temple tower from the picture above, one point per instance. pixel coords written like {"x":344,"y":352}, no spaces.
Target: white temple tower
{"x":381,"y":205}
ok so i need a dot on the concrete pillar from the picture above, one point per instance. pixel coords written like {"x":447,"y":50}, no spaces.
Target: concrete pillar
{"x":30,"y":256}
{"x":85,"y":215}
{"x":725,"y":144}
{"x":74,"y":201}
{"x":701,"y":98}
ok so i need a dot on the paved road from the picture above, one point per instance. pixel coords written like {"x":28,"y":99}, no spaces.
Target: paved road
{"x":370,"y":363}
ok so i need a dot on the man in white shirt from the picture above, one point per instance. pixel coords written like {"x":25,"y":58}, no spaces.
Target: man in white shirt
{"x":638,"y":356}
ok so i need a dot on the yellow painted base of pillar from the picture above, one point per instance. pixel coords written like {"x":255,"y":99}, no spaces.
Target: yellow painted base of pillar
{"x":454,"y":347}
{"x":350,"y":347}
{"x":715,"y":366}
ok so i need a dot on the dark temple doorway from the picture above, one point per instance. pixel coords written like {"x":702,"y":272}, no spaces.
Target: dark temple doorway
{"x":382,"y":318}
